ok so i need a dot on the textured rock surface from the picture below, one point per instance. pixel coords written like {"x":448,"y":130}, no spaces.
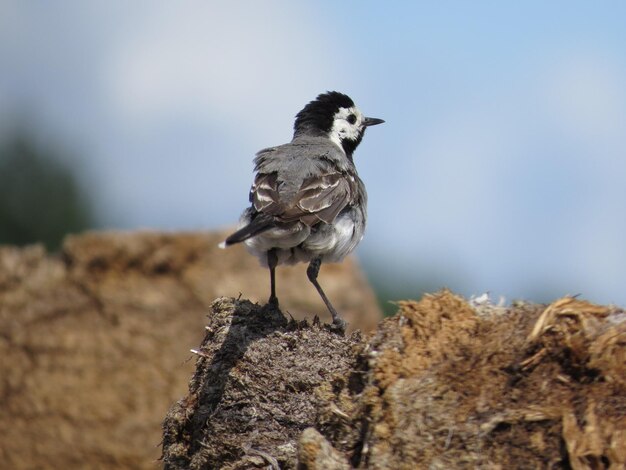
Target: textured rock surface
{"x":259,"y":382}
{"x":94,"y":342}
{"x":443,"y":384}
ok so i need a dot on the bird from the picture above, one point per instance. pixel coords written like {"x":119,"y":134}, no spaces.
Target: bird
{"x":307,"y":202}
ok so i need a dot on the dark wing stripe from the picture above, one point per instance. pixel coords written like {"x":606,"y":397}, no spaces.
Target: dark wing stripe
{"x":264,"y":194}
{"x":319,"y":198}
{"x":323,"y":181}
{"x":316,"y":201}
{"x":341,"y":198}
{"x":259,"y":224}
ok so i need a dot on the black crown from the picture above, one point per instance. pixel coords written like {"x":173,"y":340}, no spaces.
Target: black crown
{"x":317,"y":116}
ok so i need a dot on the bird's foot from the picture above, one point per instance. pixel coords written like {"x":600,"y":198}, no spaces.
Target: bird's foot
{"x":338,"y":326}
{"x":273,"y":302}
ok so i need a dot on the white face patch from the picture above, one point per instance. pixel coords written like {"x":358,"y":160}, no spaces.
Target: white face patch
{"x":343,"y":129}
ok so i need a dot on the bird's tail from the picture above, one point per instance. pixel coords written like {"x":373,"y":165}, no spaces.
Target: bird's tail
{"x":259,"y":224}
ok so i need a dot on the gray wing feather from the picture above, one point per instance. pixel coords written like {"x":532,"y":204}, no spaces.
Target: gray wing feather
{"x":310,"y":181}
{"x":322,"y":198}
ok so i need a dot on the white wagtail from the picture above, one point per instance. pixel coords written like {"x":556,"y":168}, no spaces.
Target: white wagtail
{"x":308,"y":202}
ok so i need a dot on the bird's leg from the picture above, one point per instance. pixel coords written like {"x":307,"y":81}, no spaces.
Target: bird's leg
{"x":272,"y":261}
{"x":312,"y":271}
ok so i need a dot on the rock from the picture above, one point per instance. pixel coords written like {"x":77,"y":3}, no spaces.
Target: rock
{"x":259,"y":382}
{"x":314,"y":451}
{"x":443,"y":384}
{"x":95,"y":340}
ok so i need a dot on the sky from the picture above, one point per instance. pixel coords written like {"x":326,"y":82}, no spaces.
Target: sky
{"x":500,"y":167}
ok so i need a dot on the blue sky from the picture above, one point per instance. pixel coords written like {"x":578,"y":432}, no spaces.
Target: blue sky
{"x":500,"y":167}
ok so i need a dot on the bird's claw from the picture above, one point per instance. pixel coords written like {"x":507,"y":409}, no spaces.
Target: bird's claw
{"x":273,"y":302}
{"x":338,"y":326}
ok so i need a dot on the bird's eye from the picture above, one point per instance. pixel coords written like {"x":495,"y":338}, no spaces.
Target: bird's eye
{"x":351,"y":119}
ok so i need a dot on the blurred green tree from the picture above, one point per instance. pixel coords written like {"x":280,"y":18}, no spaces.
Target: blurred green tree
{"x":40,"y":199}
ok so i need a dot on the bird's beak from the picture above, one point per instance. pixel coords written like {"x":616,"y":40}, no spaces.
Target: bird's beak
{"x":372,"y":121}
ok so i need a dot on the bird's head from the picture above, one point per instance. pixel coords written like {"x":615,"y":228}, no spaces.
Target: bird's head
{"x":335,"y":116}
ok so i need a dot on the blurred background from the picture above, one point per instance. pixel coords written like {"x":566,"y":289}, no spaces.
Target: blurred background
{"x":500,"y":167}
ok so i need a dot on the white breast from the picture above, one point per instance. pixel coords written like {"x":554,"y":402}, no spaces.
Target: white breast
{"x":301,"y":244}
{"x":337,"y":242}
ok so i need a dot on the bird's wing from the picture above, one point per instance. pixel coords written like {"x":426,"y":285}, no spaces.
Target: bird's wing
{"x":319,"y":198}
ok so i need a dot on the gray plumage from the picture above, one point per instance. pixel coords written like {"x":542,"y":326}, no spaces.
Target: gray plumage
{"x":308,"y":203}
{"x":317,"y":200}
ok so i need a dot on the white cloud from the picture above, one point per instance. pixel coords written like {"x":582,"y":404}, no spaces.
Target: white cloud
{"x":165,"y":95}
{"x":524,"y":183}
{"x":229,"y":62}
{"x":585,"y":97}
{"x":520,"y":182}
